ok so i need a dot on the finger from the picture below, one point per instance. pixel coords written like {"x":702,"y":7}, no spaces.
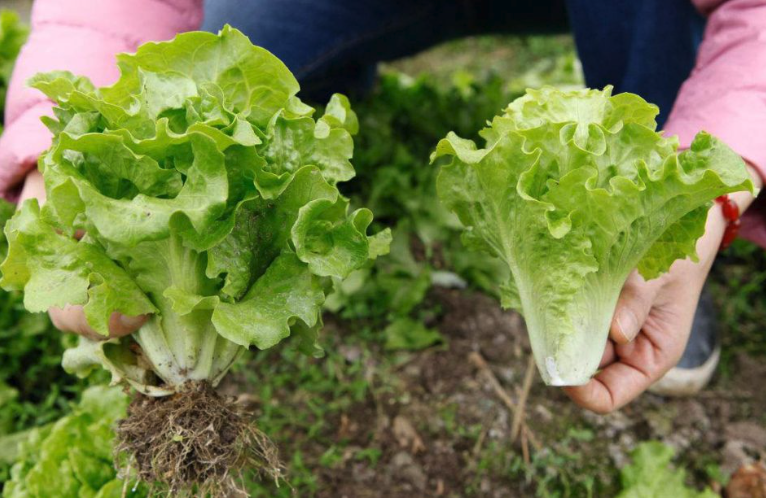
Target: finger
{"x":609,"y":355}
{"x":72,"y":319}
{"x":633,"y":306}
{"x":34,"y":187}
{"x":611,"y":389}
{"x":121,"y":325}
{"x":622,"y":381}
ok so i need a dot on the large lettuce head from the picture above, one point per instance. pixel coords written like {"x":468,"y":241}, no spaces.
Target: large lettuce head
{"x":206,"y":195}
{"x":573,"y":190}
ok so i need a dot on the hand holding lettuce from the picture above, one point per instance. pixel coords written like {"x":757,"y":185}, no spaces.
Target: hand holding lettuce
{"x":574,"y":190}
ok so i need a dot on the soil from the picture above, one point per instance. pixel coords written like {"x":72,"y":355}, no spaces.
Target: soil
{"x":439,"y":420}
{"x":194,"y":443}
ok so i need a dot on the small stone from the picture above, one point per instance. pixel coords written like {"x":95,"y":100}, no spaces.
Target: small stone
{"x":406,"y":435}
{"x":618,"y":455}
{"x":411,"y":472}
{"x":507,"y":375}
{"x":544,"y":413}
{"x":694,"y":414}
{"x":734,"y":456}
{"x":351,"y":354}
{"x":748,"y":432}
{"x":363,"y":473}
{"x":402,"y":459}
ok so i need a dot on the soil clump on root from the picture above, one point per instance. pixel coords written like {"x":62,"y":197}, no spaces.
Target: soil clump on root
{"x":193,"y":443}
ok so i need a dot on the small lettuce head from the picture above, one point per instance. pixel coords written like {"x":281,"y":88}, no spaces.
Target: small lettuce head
{"x":73,"y":457}
{"x":573,"y":190}
{"x":207,"y":195}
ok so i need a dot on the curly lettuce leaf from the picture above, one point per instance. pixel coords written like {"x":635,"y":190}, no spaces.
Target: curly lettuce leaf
{"x":208,"y":196}
{"x":651,"y":475}
{"x":56,"y":270}
{"x":573,"y":191}
{"x":73,"y":457}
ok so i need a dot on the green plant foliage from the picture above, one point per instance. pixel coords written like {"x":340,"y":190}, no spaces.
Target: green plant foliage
{"x":397,"y":124}
{"x":573,"y":190}
{"x":409,"y":334}
{"x":207,"y":194}
{"x":13,"y":34}
{"x":652,"y":476}
{"x":34,"y":389}
{"x":72,"y":458}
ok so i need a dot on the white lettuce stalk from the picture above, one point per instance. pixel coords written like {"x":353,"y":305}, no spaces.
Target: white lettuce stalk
{"x":573,"y":190}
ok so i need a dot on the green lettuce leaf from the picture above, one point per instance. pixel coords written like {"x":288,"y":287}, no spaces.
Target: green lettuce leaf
{"x":72,"y":458}
{"x":573,"y":191}
{"x":207,"y":193}
{"x":650,"y":475}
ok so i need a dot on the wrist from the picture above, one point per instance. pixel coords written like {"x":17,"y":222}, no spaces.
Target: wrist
{"x":745,"y":199}
{"x":724,"y":216}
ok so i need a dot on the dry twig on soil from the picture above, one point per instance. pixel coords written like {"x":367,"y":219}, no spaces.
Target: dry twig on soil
{"x":518,"y":417}
{"x":481,"y":364}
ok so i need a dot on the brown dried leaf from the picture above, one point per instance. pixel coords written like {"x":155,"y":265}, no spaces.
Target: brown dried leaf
{"x":748,"y":482}
{"x":407,"y":436}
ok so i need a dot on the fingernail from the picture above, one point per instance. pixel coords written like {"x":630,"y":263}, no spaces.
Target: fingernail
{"x":132,"y":322}
{"x":627,"y":324}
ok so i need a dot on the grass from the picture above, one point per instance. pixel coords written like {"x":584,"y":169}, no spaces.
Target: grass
{"x":738,"y":285}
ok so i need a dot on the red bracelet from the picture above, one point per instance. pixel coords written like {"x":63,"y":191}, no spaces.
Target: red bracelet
{"x":731,"y":215}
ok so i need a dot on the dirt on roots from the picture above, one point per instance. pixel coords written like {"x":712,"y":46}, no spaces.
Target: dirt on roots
{"x":193,"y":443}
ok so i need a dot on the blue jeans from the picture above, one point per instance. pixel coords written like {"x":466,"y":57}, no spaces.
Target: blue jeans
{"x":642,"y":46}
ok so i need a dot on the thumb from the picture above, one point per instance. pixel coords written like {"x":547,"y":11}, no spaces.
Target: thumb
{"x":34,"y":187}
{"x":633,"y":307}
{"x":72,"y":319}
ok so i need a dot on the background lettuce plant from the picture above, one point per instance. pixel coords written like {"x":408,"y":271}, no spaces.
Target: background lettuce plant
{"x":573,"y":190}
{"x":13,"y":34}
{"x":72,"y":458}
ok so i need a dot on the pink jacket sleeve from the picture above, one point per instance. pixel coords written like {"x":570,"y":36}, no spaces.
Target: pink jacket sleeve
{"x":82,"y":36}
{"x":726,"y":92}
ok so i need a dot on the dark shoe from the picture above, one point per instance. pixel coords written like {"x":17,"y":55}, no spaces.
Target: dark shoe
{"x":700,"y":359}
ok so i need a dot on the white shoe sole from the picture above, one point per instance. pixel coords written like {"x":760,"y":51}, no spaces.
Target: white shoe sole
{"x":680,"y":382}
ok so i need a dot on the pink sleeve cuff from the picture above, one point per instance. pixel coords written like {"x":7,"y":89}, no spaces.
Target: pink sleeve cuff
{"x":726,"y":92}
{"x":21,"y":144}
{"x":81,"y":36}
{"x":754,"y":219}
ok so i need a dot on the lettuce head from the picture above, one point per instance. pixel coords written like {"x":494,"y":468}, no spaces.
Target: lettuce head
{"x":573,"y":190}
{"x":197,"y":189}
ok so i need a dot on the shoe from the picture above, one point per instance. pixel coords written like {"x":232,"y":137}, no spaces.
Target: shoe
{"x":700,"y":359}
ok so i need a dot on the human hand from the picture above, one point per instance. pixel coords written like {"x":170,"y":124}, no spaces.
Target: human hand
{"x":652,"y":322}
{"x":72,"y":318}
